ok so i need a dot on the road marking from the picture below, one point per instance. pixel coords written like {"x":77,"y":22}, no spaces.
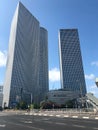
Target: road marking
{"x":66,"y":116}
{"x":26,"y":113}
{"x":48,"y":122}
{"x":79,"y":126}
{"x":2,"y":125}
{"x":96,"y":118}
{"x":27,"y":121}
{"x":75,"y":116}
{"x":31,"y":127}
{"x":58,"y":115}
{"x":85,"y":117}
{"x":40,"y":114}
{"x":95,"y":128}
{"x":45,"y":114}
{"x":31,"y":113}
{"x":35,"y":114}
{"x":58,"y":123}
{"x":50,"y":115}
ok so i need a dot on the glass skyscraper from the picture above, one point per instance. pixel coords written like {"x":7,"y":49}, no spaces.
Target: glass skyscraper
{"x":23,"y":64}
{"x":43,"y":63}
{"x":71,"y":68}
{"x":1,"y":95}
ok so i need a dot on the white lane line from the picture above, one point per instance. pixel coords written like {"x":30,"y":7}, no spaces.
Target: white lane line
{"x":79,"y":126}
{"x":48,"y":122}
{"x":95,"y":128}
{"x":74,"y":116}
{"x":44,"y":114}
{"x":85,"y":117}
{"x":58,"y":115}
{"x":22,"y":125}
{"x":31,"y":113}
{"x":35,"y":114}
{"x":50,"y":115}
{"x":40,"y":114}
{"x":26,"y":114}
{"x":27,"y":121}
{"x":2,"y":125}
{"x":58,"y":123}
{"x":66,"y":116}
{"x":96,"y":118}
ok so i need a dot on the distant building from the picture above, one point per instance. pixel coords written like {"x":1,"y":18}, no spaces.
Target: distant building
{"x":71,"y":68}
{"x":23,"y":64}
{"x":61,"y":97}
{"x":1,"y":95}
{"x":92,"y":101}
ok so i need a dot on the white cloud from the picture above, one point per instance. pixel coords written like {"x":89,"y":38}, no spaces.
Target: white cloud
{"x":95,"y":63}
{"x":94,"y":92}
{"x":3,"y":58}
{"x":93,"y":89}
{"x":54,"y":75}
{"x":93,"y":86}
{"x":90,"y":77}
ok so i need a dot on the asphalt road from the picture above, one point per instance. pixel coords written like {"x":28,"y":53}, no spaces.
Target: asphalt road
{"x":31,"y":122}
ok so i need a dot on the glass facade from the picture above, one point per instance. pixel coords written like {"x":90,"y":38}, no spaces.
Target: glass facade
{"x":1,"y":94}
{"x":22,"y":72}
{"x":43,"y":64}
{"x":71,"y":68}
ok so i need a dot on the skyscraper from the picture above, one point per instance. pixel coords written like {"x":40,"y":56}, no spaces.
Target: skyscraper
{"x":1,"y":95}
{"x":71,"y":68}
{"x":43,"y":64}
{"x":22,"y":72}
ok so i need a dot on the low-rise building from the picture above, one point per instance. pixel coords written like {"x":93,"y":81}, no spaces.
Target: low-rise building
{"x":92,"y":101}
{"x":61,"y":96}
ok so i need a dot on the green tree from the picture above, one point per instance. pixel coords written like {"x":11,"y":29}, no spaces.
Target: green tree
{"x":48,"y":105}
{"x":34,"y":106}
{"x":70,"y":103}
{"x":21,"y":105}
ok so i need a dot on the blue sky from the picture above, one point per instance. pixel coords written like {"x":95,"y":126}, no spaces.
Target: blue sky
{"x":54,"y":15}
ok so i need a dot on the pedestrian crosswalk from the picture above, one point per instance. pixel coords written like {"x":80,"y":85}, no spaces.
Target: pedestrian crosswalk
{"x":61,"y":115}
